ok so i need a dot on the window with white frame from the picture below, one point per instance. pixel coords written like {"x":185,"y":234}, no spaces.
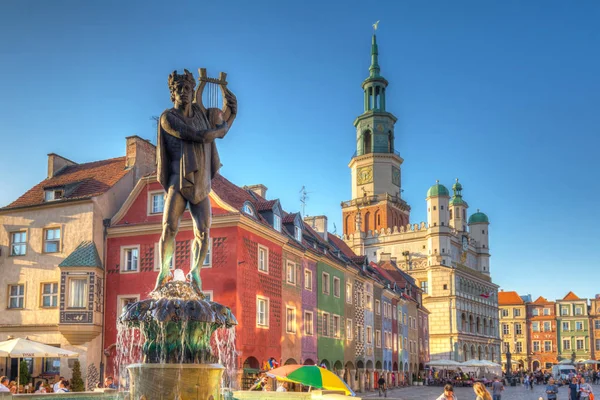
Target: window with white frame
{"x":130,"y":257}
{"x":395,"y":342}
{"x":597,"y":324}
{"x":297,"y":233}
{"x":505,"y":312}
{"x":369,"y":333}
{"x":359,"y":333}
{"x":425,"y":287}
{"x":505,"y":329}
{"x":546,"y":311}
{"x":378,"y":338}
{"x":547,"y":345}
{"x":566,"y":344}
{"x":308,"y":284}
{"x":16,"y":296}
{"x":369,"y":301}
{"x":308,"y":323}
{"x":325,"y":324}
{"x":125,"y":300}
{"x":325,"y":283}
{"x":597,"y":344}
{"x":157,"y":260}
{"x":349,"y":331}
{"x":578,"y":325}
{"x":336,"y":326}
{"x":277,"y":222}
{"x":291,"y":273}
{"x":262,"y":311}
{"x":248,"y":209}
{"x":77,"y":292}
{"x":518,"y":329}
{"x":208,"y":295}
{"x":18,"y":243}
{"x":564,"y":311}
{"x":377,"y":307}
{"x":536,"y":346}
{"x":50,"y":295}
{"x":566,"y":326}
{"x":263,"y":259}
{"x":394,"y":313}
{"x":53,"y":194}
{"x":336,"y":286}
{"x":290,"y":319}
{"x":516,"y":312}
{"x":578,"y":311}
{"x":535,"y":326}
{"x":207,"y":262}
{"x":51,"y":240}
{"x":535,"y":312}
{"x":157,"y":202}
{"x":349,"y":293}
{"x":547,"y":326}
{"x":519,"y":347}
{"x":579,"y":344}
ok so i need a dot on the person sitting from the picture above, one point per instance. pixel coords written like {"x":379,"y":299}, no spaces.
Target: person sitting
{"x":64,"y":386}
{"x":39,"y":387}
{"x":109,"y":383}
{"x":283,"y":387}
{"x":57,"y":384}
{"x":4,"y":384}
{"x":260,"y":384}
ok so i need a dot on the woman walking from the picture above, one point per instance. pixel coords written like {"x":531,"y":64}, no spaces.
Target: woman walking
{"x":481,"y":392}
{"x":448,"y":393}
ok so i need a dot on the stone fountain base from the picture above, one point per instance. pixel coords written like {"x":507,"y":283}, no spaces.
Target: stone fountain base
{"x":175,"y":381}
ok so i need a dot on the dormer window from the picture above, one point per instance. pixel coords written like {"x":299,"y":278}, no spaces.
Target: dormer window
{"x":297,"y":233}
{"x":53,"y":194}
{"x":248,"y":209}
{"x":277,"y":222}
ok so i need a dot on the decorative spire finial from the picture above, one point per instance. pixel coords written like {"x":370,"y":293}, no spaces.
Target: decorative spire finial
{"x":375,"y":26}
{"x":374,"y":68}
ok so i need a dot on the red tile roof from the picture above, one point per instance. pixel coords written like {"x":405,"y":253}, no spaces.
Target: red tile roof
{"x":88,"y":180}
{"x":265,"y":205}
{"x":571,"y":296}
{"x":289,"y":218}
{"x":340,"y":244}
{"x":542,"y":300}
{"x":506,"y":298}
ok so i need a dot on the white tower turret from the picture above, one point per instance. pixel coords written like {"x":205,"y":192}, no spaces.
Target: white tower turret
{"x":437,"y":205}
{"x":478,"y":229}
{"x":458,"y":209}
{"x":438,"y":238}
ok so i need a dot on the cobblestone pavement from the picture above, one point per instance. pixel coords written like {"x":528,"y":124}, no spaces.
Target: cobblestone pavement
{"x":466,"y":393}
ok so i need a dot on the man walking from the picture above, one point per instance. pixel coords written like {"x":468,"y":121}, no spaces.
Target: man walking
{"x":551,"y":389}
{"x":497,"y":389}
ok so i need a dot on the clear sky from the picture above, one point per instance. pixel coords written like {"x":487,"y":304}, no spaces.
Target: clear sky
{"x":504,"y":95}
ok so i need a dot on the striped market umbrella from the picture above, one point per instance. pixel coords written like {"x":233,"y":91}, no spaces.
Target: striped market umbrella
{"x":310,"y":375}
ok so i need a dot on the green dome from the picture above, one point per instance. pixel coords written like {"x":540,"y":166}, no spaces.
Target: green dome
{"x":457,"y":187}
{"x":438,"y":190}
{"x":478,"y":217}
{"x":457,"y":201}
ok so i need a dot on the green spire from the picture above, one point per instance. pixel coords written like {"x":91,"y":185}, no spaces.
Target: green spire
{"x":374,"y":68}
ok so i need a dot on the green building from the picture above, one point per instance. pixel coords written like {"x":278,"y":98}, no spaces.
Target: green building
{"x":330,"y":325}
{"x":573,"y":328}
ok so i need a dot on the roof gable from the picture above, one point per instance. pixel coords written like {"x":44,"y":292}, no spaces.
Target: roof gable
{"x":541,"y":300}
{"x":506,"y":298}
{"x":85,"y":255}
{"x":571,"y":296}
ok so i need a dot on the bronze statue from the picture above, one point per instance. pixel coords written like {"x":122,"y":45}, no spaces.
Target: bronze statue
{"x":187,"y":161}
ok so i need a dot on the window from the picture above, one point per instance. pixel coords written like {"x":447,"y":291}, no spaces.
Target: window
{"x":336,"y":286}
{"x":349,"y":329}
{"x":208,"y":295}
{"x":566,"y":344}
{"x":547,"y":345}
{"x":298,"y":233}
{"x":516,"y":312}
{"x":157,"y":260}
{"x":564,"y":311}
{"x":291,"y":273}
{"x":395,"y":342}
{"x":52,"y":240}
{"x":535,"y":312}
{"x":369,"y":335}
{"x":325,"y":283}
{"x":51,"y":366}
{"x":579,"y":344}
{"x":16,"y":296}
{"x":18,"y":243}
{"x":505,"y":347}
{"x":263,"y":259}
{"x":77,"y":294}
{"x":578,"y":311}
{"x":49,"y":295}
{"x":207,"y":259}
{"x":536,"y":345}
{"x":505,"y":312}
{"x":425,"y":287}
{"x":277,"y":222}
{"x":157,"y":202}
{"x":124,"y":301}
{"x":378,"y":338}
{"x":597,"y":344}
{"x":325,"y":327}
{"x":359,"y":333}
{"x":546,"y":311}
{"x":308,"y":279}
{"x":349,"y":293}
{"x":518,"y":330}
{"x":579,"y":325}
{"x":377,"y":307}
{"x":130,"y":259}
{"x":547,"y":326}
{"x":290,"y":320}
{"x":535,"y":326}
{"x":394,"y":314}
{"x":262,"y":311}
{"x":248,"y":209}
{"x":566,"y":326}
{"x":505,"y":329}
{"x":336,"y":326}
{"x":597,"y":324}
{"x":369,"y":304}
{"x":519,"y":347}
{"x":53,"y":194}
{"x":308,"y":323}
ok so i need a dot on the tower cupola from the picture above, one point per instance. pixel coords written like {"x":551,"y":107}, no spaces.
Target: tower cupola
{"x":437,"y":205}
{"x":458,"y":208}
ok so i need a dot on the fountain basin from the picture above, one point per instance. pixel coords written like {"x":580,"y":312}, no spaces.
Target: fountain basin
{"x":175,"y":381}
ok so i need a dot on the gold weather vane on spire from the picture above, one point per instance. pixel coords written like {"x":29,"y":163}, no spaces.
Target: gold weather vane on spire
{"x":375,"y":25}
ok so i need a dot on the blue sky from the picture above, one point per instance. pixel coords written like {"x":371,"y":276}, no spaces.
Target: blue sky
{"x":501,"y":94}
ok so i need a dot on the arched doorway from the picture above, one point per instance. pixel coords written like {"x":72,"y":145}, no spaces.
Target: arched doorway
{"x":360,"y":364}
{"x":308,"y":361}
{"x":251,"y":368}
{"x":325,"y":363}
{"x":290,"y":361}
{"x":535,"y":365}
{"x":395,"y":367}
{"x":337,"y":367}
{"x":348,"y":377}
{"x":378,"y":365}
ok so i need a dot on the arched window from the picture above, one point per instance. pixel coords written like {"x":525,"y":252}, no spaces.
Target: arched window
{"x":465,"y":353}
{"x":377,"y":220}
{"x":471,"y":324}
{"x":367,"y":142}
{"x":478,"y":325}
{"x":367,"y":222}
{"x":348,"y":223}
{"x":249,"y":209}
{"x":450,"y":213}
{"x":463,"y":320}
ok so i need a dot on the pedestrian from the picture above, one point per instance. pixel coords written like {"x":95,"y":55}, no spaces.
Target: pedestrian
{"x":39,"y":387}
{"x":497,"y":388}
{"x":57,"y":384}
{"x":573,"y":389}
{"x":551,"y":389}
{"x":481,"y":392}
{"x":448,"y":393}
{"x":260,"y":384}
{"x":4,"y":384}
{"x":585,"y":389}
{"x":109,"y":383}
{"x":64,"y":386}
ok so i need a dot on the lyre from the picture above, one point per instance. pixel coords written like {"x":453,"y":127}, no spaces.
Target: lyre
{"x":212,"y":91}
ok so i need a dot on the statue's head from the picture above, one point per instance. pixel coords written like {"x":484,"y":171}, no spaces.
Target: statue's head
{"x":182,"y":87}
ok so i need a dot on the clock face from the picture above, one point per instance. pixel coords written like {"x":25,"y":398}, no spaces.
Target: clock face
{"x":395,"y":176}
{"x":364,"y":175}
{"x":465,"y":243}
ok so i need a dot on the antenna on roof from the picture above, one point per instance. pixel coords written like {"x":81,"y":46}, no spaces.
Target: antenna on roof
{"x":334,"y":229}
{"x":303,"y":199}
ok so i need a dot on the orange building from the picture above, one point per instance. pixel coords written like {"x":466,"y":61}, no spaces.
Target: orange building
{"x":543,"y":350}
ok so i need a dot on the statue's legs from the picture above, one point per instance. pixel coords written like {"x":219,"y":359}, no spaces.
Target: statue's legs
{"x":201,"y":217}
{"x":174,"y":208}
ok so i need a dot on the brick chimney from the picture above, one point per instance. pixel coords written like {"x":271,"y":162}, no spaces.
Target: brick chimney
{"x":385,"y":257}
{"x":141,"y":155}
{"x":319,"y":224}
{"x":259,"y":189}
{"x":56,"y":163}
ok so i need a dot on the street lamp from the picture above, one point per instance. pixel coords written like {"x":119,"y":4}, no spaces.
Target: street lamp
{"x":508,"y":361}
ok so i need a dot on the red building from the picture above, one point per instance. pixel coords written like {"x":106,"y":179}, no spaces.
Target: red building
{"x":541,"y":321}
{"x":243,"y":269}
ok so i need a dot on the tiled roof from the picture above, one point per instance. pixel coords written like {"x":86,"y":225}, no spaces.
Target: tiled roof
{"x":571,"y":296}
{"x":265,"y":205}
{"x":506,"y":298}
{"x":85,"y":181}
{"x":541,"y":300}
{"x":289,"y":218}
{"x":340,"y":244}
{"x":85,"y":255}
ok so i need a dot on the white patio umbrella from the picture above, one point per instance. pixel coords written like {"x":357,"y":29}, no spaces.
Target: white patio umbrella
{"x":24,"y":348}
{"x":444,"y":363}
{"x":590,"y":362}
{"x":565,"y":362}
{"x":475,"y":363}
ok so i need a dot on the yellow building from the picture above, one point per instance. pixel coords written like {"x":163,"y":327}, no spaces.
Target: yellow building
{"x":52,"y":257}
{"x":514,"y":330}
